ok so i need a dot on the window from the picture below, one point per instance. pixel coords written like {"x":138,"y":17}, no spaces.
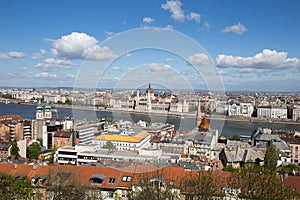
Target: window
{"x":171,"y":183}
{"x":126,"y":178}
{"x":111,"y":180}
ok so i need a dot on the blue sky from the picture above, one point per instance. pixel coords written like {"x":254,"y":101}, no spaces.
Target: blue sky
{"x":254,"y":45}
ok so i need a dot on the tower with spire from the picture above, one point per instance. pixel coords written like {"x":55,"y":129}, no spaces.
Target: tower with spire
{"x":39,"y":114}
{"x":199,"y":114}
{"x":150,"y":96}
{"x":48,"y":113}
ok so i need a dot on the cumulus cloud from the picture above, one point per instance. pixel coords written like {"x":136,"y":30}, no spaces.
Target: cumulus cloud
{"x":222,"y":72}
{"x":39,"y":55}
{"x":206,"y":26}
{"x":169,"y":27}
{"x":199,"y":59}
{"x":159,"y":67}
{"x":108,"y":33}
{"x":170,"y":60}
{"x":71,"y":76}
{"x":128,"y":55}
{"x":116,"y":68}
{"x":174,"y":7}
{"x":12,"y":54}
{"x":45,"y":75}
{"x":239,"y":29}
{"x":245,"y":70}
{"x":194,"y":16}
{"x":148,"y":20}
{"x":52,"y":63}
{"x":263,"y":60}
{"x":80,"y":46}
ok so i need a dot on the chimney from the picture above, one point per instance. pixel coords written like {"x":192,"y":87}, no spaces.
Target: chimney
{"x":34,"y":166}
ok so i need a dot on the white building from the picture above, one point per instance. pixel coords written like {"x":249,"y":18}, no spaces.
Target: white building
{"x":242,"y":109}
{"x":272,"y":112}
{"x":133,"y":142}
{"x":86,"y":133}
{"x":296,"y":114}
{"x":87,"y":154}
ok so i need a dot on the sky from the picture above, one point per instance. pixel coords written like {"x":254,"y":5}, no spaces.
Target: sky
{"x":250,"y":45}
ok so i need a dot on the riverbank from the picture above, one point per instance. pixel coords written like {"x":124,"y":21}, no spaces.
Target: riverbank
{"x":180,"y":115}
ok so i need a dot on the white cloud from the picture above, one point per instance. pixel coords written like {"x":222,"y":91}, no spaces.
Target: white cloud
{"x":187,"y":72}
{"x":71,"y":76}
{"x":52,"y":63}
{"x":206,"y":26}
{"x":148,"y":20}
{"x":108,"y":33}
{"x":199,"y":59}
{"x":170,"y":60}
{"x":222,"y":72}
{"x":159,"y":67}
{"x":245,"y":70}
{"x":80,"y":46}
{"x":45,"y":75}
{"x":39,"y":55}
{"x":12,"y":54}
{"x":239,"y":29}
{"x":263,"y":60}
{"x":16,"y":54}
{"x":194,"y":16}
{"x":128,"y":55}
{"x":262,"y":70}
{"x":23,"y":68}
{"x":169,"y":27}
{"x":116,"y":68}
{"x":174,"y":7}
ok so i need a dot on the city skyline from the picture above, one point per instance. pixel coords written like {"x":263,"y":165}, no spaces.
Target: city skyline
{"x":253,"y":44}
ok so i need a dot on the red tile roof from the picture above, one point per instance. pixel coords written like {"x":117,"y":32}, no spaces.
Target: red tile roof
{"x":11,"y":117}
{"x":63,"y":134}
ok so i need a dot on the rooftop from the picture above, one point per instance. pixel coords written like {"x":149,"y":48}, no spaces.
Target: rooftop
{"x":123,"y":138}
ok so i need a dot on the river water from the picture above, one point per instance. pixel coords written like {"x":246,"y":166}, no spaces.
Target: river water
{"x":226,"y":128}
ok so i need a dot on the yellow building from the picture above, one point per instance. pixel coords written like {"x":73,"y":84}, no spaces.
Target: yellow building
{"x":134,"y":142}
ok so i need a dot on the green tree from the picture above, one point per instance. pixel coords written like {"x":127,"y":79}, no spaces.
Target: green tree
{"x":256,"y":182}
{"x":65,"y":184}
{"x":15,"y":188}
{"x":271,"y":157}
{"x":290,"y":168}
{"x":50,"y":159}
{"x":235,"y":137}
{"x":109,"y":119}
{"x":68,"y":101}
{"x":32,"y":151}
{"x":230,"y":168}
{"x":14,"y":151}
{"x":109,"y":145}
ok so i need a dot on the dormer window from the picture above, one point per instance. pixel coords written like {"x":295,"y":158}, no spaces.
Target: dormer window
{"x":111,"y":180}
{"x":126,"y":178}
{"x":97,"y":179}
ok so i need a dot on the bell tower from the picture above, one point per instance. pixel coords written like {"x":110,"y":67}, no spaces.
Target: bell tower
{"x":199,"y":114}
{"x":48,"y":113}
{"x":39,"y":114}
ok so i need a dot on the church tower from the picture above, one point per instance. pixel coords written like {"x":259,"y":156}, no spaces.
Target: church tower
{"x":150,"y":96}
{"x":199,"y":114}
{"x":39,"y":111}
{"x":48,"y":113}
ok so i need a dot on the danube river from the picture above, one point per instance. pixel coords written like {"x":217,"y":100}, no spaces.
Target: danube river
{"x":226,"y":128}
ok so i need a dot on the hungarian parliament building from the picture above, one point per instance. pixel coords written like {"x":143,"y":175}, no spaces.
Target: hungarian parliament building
{"x":147,"y":102}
